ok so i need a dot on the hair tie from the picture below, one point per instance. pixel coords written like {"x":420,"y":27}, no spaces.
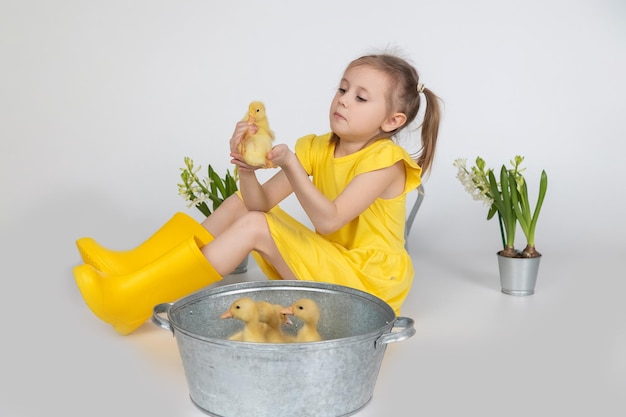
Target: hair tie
{"x":420,"y":88}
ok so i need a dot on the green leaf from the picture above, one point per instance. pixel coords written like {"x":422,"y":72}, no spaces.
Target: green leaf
{"x":508,"y":215}
{"x":213,"y":180}
{"x":520,"y":203}
{"x":543,"y":187}
{"x":231,"y":185}
{"x":204,"y":209}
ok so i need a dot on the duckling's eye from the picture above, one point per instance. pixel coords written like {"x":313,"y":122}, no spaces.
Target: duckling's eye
{"x":237,"y":307}
{"x":258,"y":110}
{"x":301,"y":307}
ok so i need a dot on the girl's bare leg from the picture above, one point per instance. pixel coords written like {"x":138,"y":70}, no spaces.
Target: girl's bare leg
{"x":231,"y":210}
{"x":246,"y":233}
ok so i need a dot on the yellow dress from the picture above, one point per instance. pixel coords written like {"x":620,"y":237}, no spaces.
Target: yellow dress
{"x":368,"y":253}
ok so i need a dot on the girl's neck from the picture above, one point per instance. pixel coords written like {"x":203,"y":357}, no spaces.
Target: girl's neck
{"x":344,"y":148}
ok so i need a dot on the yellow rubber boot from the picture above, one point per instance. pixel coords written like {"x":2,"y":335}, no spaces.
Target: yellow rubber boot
{"x":178,"y":228}
{"x":126,"y":301}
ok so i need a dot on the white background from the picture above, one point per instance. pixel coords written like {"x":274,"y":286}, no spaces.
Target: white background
{"x":101,"y":100}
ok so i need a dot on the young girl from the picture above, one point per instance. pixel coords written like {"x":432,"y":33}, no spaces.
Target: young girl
{"x":352,"y":184}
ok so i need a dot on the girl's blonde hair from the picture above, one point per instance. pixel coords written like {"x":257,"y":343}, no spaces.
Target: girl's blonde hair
{"x":406,"y":97}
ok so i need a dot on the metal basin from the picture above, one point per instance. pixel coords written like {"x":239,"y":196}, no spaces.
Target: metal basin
{"x":331,"y":378}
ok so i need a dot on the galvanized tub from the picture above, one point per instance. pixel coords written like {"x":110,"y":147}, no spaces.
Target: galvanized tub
{"x":331,"y":378}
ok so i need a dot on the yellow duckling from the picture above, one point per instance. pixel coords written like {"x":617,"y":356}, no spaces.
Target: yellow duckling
{"x":308,"y":311}
{"x":271,"y":315}
{"x":255,"y":146}
{"x":245,"y":309}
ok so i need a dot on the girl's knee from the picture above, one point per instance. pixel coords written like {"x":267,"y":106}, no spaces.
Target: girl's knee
{"x":253,"y":225}
{"x":255,"y":222}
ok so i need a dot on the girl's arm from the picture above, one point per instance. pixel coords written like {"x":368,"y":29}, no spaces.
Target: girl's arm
{"x":259,"y":197}
{"x":328,"y":216}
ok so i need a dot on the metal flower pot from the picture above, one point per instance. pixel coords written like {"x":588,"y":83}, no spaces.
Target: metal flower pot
{"x":518,"y":276}
{"x":242,"y":267}
{"x":331,"y":378}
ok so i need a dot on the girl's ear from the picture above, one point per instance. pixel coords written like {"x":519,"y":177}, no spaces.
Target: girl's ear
{"x":394,"y":122}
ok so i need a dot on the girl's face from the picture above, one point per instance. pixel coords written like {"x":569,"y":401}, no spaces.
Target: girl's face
{"x":359,"y":108}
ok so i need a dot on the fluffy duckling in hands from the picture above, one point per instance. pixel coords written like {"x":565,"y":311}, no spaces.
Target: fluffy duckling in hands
{"x":246,"y":310}
{"x":270,"y":315}
{"x":308,"y":311}
{"x":255,"y":146}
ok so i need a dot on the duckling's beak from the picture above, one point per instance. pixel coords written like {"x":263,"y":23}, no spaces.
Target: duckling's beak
{"x":287,"y":310}
{"x":288,"y":320}
{"x":227,"y":315}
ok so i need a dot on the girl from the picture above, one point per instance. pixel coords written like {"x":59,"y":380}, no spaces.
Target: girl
{"x":352,"y":184}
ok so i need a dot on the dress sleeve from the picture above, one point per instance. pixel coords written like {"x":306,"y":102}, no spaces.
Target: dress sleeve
{"x":304,"y":152}
{"x":386,"y":154}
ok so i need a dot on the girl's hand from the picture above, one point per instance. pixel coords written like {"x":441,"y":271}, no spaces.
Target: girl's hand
{"x":241,"y":129}
{"x":237,"y":159}
{"x":280,"y":155}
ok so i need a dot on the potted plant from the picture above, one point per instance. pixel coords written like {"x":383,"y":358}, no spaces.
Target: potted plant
{"x":212,"y":189}
{"x":508,"y":198}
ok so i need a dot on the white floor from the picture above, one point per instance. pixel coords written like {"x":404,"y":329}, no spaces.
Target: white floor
{"x":560,"y":352}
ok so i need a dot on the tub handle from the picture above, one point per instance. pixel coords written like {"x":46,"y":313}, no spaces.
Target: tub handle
{"x":161,"y":321}
{"x":407,"y":331}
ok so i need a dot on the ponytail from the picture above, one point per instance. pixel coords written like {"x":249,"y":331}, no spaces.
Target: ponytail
{"x":430,"y":130}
